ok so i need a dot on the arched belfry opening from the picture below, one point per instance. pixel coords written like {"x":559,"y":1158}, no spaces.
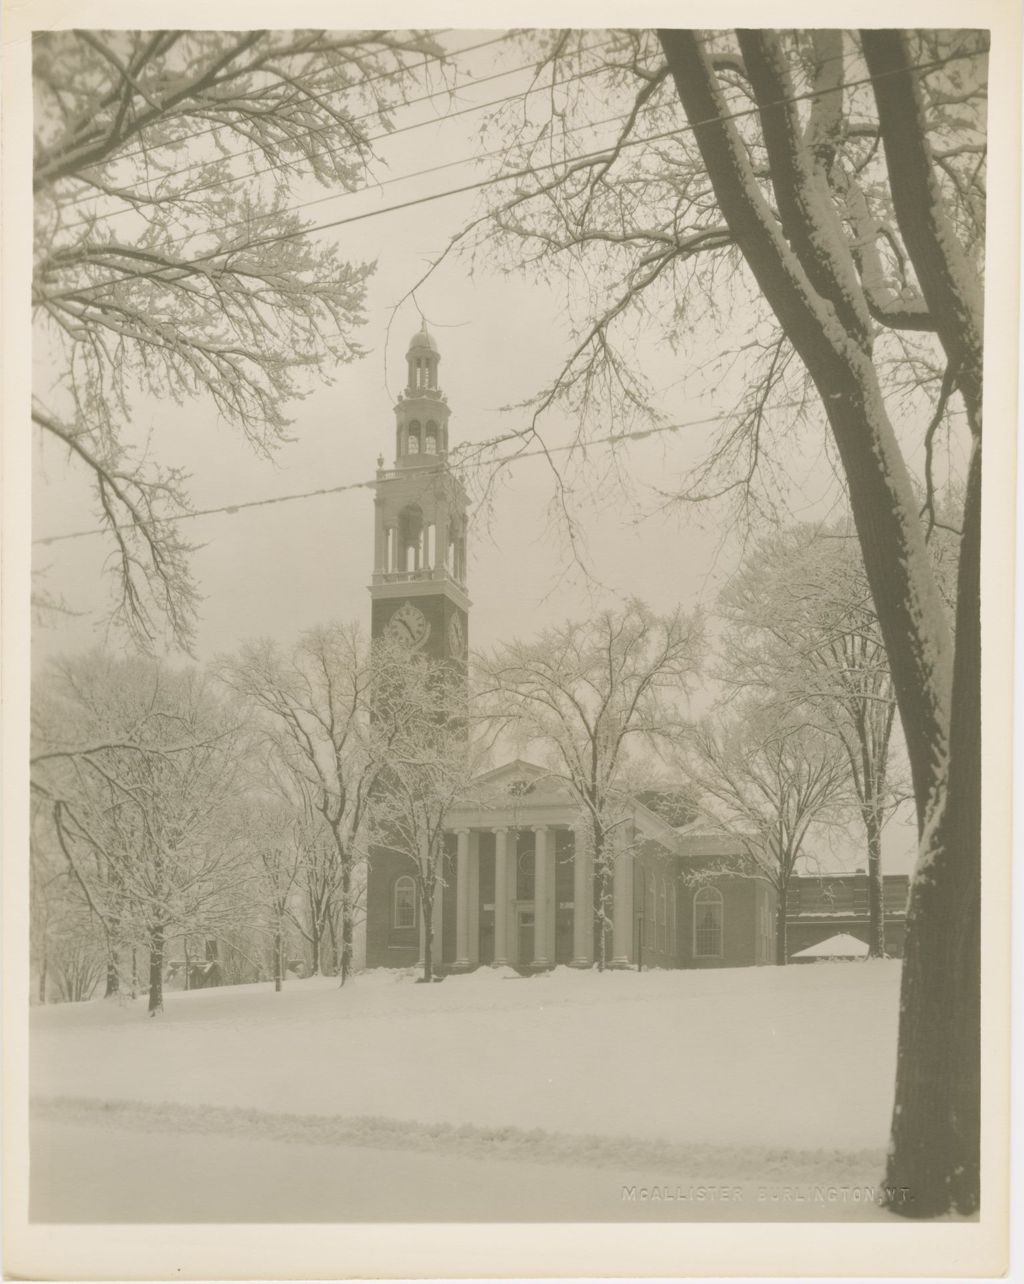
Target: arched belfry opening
{"x":411,"y":531}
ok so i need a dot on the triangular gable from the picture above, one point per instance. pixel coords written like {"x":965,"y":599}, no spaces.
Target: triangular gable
{"x":520,"y":781}
{"x":517,"y":769}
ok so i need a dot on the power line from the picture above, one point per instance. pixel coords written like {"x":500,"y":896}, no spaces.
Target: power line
{"x":129,"y":207}
{"x":397,"y":73}
{"x":600,"y":153}
{"x":375,"y":138}
{"x":609,"y":439}
{"x":425,"y":98}
{"x":219,"y":184}
{"x":385,"y":182}
{"x":495,"y":102}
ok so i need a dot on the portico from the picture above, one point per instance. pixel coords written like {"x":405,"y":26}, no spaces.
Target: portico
{"x":520,"y":887}
{"x":517,"y":900}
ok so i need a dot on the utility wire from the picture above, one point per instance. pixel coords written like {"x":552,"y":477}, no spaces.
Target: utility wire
{"x":501,"y":462}
{"x":397,"y":73}
{"x":221,"y":183}
{"x":425,"y":98}
{"x":129,"y":207}
{"x":529,"y":171}
{"x":372,"y":187}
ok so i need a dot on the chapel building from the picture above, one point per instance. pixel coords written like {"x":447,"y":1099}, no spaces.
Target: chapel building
{"x":519,"y":885}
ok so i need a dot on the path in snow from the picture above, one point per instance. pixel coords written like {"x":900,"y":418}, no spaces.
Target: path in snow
{"x":90,"y":1170}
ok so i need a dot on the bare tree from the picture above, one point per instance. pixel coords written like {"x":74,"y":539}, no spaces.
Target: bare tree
{"x":138,"y":767}
{"x":271,"y":838}
{"x":766,"y":779}
{"x":844,"y":176}
{"x":162,"y":268}
{"x":592,"y":697}
{"x":316,"y":704}
{"x":802,"y":630}
{"x":428,"y":755}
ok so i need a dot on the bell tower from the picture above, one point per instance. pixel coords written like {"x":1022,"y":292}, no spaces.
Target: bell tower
{"x":418,"y":591}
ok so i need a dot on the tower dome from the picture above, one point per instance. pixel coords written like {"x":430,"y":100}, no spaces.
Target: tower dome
{"x":423,"y":359}
{"x":423,"y":341}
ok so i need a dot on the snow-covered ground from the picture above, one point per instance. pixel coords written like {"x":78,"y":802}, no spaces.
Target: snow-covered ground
{"x":485,"y":1096}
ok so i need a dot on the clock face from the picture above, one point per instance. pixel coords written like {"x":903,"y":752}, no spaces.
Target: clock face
{"x":408,"y":625}
{"x":456,"y":636}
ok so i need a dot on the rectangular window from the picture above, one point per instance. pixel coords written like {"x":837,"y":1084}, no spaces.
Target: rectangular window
{"x":404,"y":913}
{"x":707,"y":923}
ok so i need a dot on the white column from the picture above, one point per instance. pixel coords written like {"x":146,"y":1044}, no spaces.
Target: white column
{"x":474,"y":898}
{"x":582,"y":898}
{"x":552,"y":898}
{"x":622,"y":905}
{"x":501,"y":898}
{"x":462,"y":900}
{"x":380,"y":541}
{"x":540,"y":896}
{"x":441,"y":532}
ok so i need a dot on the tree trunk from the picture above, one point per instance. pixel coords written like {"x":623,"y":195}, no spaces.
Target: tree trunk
{"x":602,"y":880}
{"x":156,"y":971}
{"x":889,"y":530}
{"x":936,"y":1123}
{"x":346,"y":923}
{"x":278,"y":961}
{"x":781,"y":938}
{"x":876,"y":886}
{"x":935,"y":1151}
{"x":332,"y":924}
{"x":315,"y":931}
{"x":188,"y":965}
{"x":427,"y":909}
{"x":113,"y":974}
{"x":43,"y":969}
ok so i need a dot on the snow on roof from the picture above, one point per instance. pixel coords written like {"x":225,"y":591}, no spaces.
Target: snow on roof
{"x":843,"y":946}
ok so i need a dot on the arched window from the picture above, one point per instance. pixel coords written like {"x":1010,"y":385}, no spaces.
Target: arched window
{"x":707,"y":923}
{"x":430,"y":440}
{"x":413,"y":446}
{"x":403,"y":902}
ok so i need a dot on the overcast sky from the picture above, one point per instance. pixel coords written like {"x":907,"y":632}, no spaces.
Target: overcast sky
{"x":279,"y":568}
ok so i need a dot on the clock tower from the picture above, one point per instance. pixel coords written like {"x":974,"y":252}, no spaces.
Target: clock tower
{"x":418,"y":591}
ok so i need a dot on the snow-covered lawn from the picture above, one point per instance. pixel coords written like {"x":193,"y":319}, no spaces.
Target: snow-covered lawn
{"x":772,"y":1077}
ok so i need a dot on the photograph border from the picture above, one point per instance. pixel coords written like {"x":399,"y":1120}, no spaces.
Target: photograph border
{"x":389,"y":1250}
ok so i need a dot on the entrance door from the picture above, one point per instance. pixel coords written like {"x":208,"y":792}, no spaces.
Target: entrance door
{"x":525,"y":942}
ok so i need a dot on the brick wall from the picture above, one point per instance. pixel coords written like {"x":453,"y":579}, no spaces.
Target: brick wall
{"x":834,"y":904}
{"x":740,"y":900}
{"x":387,"y":946}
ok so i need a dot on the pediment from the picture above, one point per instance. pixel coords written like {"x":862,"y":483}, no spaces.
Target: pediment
{"x":519,"y":781}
